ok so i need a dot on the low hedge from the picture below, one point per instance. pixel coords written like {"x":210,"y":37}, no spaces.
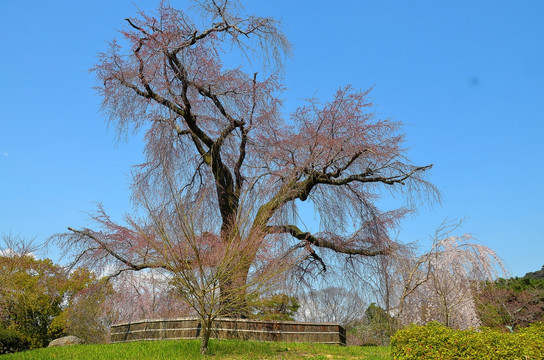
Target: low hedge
{"x":435,"y":341}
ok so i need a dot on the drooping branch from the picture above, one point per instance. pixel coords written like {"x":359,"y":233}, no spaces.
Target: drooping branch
{"x":243,"y":140}
{"x":336,"y":246}
{"x":312,"y":256}
{"x":131,"y":265}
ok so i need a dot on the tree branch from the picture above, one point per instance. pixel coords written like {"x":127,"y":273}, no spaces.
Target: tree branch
{"x":294,"y":231}
{"x":243,"y":140}
{"x":366,"y":177}
{"x":130,"y":264}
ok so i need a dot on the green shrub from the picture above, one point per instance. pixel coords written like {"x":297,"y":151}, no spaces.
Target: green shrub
{"x":435,"y":341}
{"x":275,"y":307}
{"x":11,"y":342}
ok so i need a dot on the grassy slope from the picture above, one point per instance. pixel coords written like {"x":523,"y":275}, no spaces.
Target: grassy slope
{"x":188,"y":349}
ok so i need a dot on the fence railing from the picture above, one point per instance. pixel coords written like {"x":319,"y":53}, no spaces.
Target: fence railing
{"x":224,"y":328}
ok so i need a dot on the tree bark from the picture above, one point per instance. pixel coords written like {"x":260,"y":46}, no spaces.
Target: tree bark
{"x":205,"y":336}
{"x":233,"y":292}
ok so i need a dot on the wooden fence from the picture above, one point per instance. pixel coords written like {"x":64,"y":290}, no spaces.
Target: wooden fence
{"x":189,"y":328}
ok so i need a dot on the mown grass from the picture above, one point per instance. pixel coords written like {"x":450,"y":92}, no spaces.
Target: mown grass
{"x":189,"y":349}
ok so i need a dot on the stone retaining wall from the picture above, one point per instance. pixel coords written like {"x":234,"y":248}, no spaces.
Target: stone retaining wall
{"x":189,"y":328}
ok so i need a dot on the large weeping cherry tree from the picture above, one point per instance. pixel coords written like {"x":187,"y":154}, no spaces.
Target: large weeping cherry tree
{"x":215,"y":135}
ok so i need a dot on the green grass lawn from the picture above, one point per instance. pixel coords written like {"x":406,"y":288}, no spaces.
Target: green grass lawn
{"x":189,"y":349}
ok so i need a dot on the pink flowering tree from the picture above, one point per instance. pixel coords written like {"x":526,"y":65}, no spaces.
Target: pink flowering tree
{"x":441,"y":284}
{"x":216,"y":133}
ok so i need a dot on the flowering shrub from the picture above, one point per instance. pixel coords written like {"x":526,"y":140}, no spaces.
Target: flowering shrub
{"x":435,"y":341}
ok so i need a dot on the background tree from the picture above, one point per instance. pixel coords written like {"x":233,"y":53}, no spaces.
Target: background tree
{"x":41,"y":300}
{"x":275,"y":307}
{"x":13,"y":253}
{"x":85,"y":310}
{"x":30,"y":296}
{"x":382,"y":278}
{"x":440,"y":285}
{"x":332,"y":305}
{"x":375,"y":329}
{"x":539,"y":274}
{"x":34,"y":292}
{"x":146,"y":295}
{"x":511,"y":303}
{"x":218,"y":131}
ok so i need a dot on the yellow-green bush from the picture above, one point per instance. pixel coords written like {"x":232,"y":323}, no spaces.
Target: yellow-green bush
{"x":11,"y":341}
{"x":435,"y":341}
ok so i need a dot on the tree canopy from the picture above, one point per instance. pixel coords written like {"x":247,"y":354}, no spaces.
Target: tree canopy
{"x":34,"y":294}
{"x":215,"y":135}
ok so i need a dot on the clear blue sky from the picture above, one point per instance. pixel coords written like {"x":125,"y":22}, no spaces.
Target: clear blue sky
{"x":466,"y":77}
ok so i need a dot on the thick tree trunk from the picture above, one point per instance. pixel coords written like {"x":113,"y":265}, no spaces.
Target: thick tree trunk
{"x":233,"y":292}
{"x":239,"y":256}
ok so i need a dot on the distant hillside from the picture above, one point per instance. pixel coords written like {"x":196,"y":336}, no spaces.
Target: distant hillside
{"x":536,"y":275}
